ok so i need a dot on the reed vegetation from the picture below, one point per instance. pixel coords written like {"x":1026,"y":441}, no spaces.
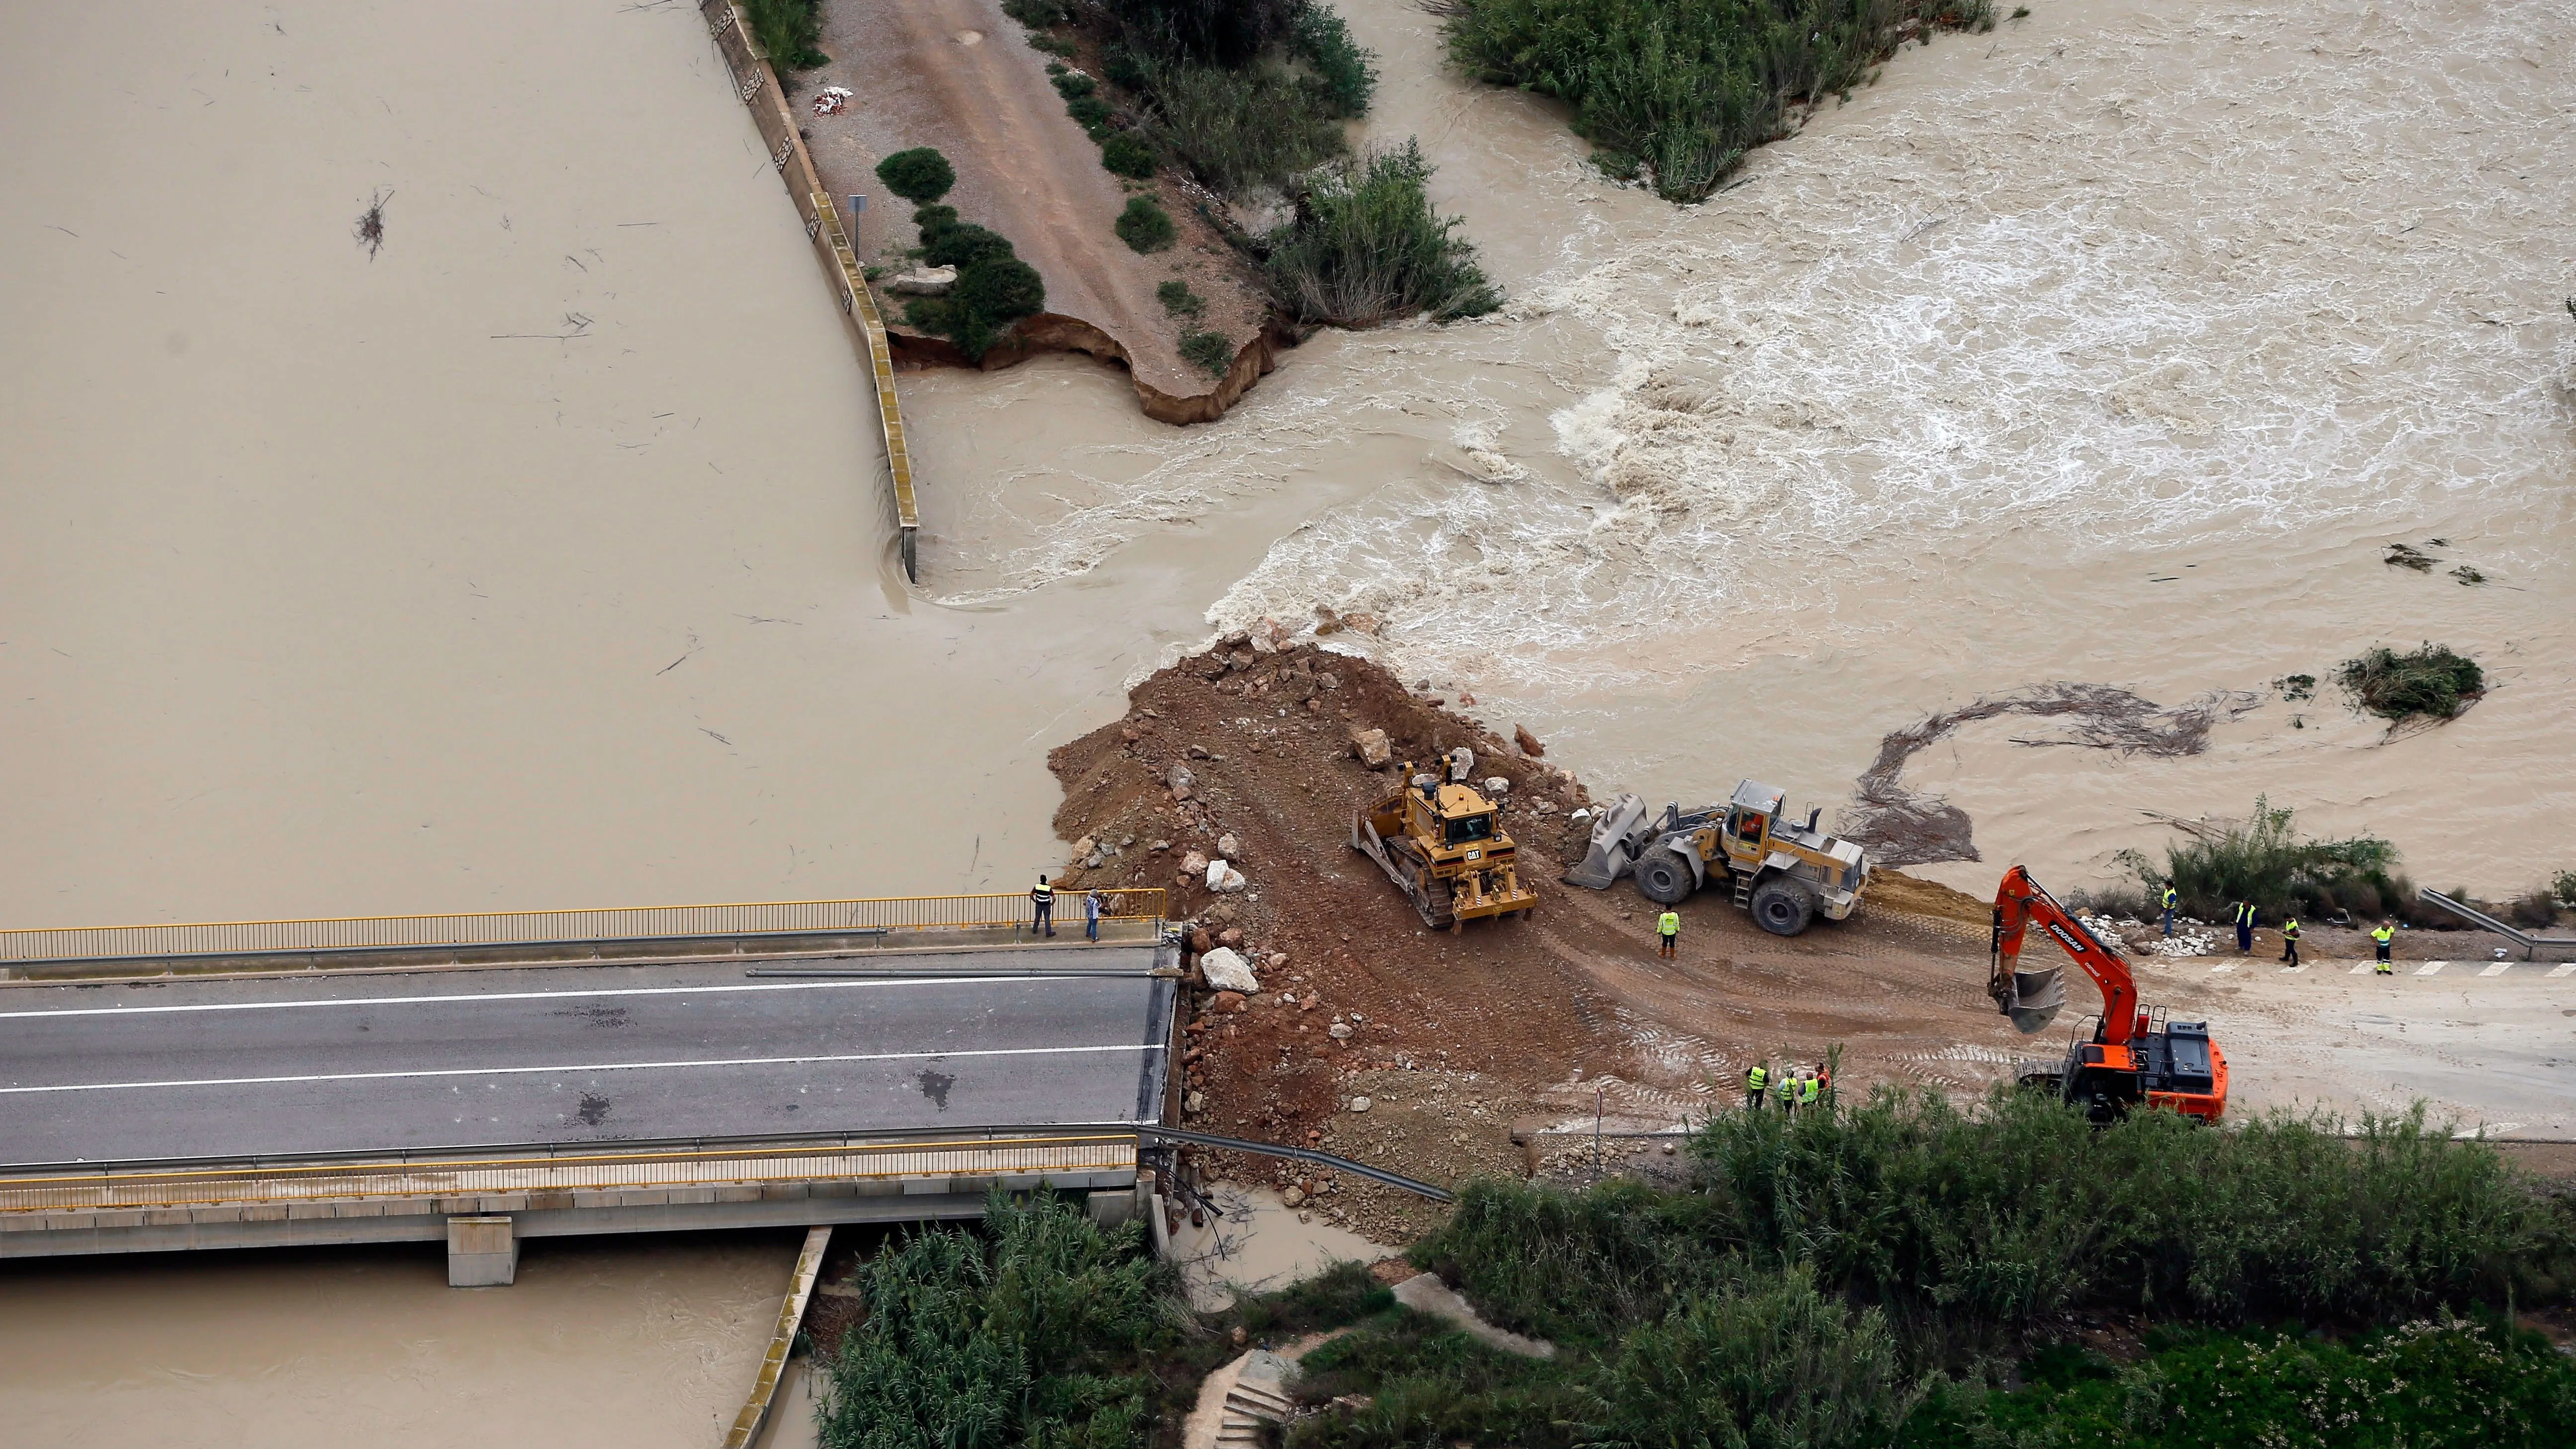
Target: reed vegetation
{"x":1678,"y":91}
{"x":2264,"y":859}
{"x":2431,"y":681}
{"x":1366,"y":246}
{"x":788,"y":30}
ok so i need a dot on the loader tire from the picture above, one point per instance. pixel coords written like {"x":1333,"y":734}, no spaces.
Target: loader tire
{"x":1663,"y":876}
{"x":1782,"y":906}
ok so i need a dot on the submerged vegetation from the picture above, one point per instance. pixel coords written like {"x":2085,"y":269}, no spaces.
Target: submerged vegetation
{"x":1366,"y":247}
{"x":2431,"y":681}
{"x":2264,"y":859}
{"x":1679,"y":90}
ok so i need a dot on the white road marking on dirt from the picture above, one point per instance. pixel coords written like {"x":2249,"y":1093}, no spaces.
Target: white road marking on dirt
{"x":2431,"y":968}
{"x":2566,"y":969}
{"x":2498,"y":969}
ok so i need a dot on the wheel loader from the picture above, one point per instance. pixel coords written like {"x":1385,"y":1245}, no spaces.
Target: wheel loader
{"x":1785,"y":873}
{"x":1443,"y":844}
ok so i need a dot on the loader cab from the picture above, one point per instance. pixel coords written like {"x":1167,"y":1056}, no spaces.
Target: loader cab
{"x":1749,"y":816}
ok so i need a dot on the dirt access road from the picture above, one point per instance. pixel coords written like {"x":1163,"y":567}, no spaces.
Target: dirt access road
{"x":1458,"y":1042}
{"x":958,"y":75}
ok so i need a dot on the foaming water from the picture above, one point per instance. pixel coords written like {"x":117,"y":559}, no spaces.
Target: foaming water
{"x":2112,"y":347}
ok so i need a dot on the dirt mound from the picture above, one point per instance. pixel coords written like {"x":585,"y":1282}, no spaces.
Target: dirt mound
{"x":1455,"y":1041}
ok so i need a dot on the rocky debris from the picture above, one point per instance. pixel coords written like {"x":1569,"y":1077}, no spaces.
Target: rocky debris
{"x":1180,"y":782}
{"x":1229,"y":847}
{"x":1495,"y":786}
{"x":1225,"y":1003}
{"x":1361,"y":1104}
{"x":1528,"y":742}
{"x":1194,"y":864}
{"x":923,"y":282}
{"x":1223,"y":877}
{"x":1372,"y":747}
{"x":1225,"y":970}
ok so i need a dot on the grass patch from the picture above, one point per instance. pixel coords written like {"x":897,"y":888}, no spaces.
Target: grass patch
{"x":1366,"y":247}
{"x":1179,"y":300}
{"x":1129,"y":154}
{"x":788,"y":31}
{"x":1239,"y":129}
{"x":1210,"y":351}
{"x":1145,"y":225}
{"x":2264,"y":859}
{"x":1680,"y":90}
{"x":2429,"y":680}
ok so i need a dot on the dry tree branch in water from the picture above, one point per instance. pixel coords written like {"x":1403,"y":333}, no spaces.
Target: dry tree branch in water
{"x":371,"y":223}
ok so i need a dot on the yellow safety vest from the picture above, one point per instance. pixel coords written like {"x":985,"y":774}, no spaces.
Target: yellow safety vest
{"x":2290,"y":932}
{"x":2382,"y":935}
{"x":1755,"y":1079}
{"x":1669,"y":924}
{"x":2170,"y":897}
{"x":1044,"y":895}
{"x":1806,"y":1089}
{"x":2244,"y":913}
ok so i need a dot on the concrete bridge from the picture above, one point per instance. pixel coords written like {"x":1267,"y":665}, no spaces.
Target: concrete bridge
{"x":488,"y":1079}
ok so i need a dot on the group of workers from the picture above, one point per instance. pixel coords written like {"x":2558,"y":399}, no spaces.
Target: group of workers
{"x":2245,"y":914}
{"x":1042,"y":911}
{"x":1797,"y":1087}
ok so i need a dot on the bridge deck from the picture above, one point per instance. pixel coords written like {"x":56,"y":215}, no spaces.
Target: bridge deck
{"x":360,"y":1064}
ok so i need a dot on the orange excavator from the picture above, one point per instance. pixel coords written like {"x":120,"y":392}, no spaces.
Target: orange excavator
{"x":2136,"y":1054}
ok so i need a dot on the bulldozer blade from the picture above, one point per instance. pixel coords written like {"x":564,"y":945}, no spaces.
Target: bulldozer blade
{"x":2037,"y":997}
{"x":1618,"y":834}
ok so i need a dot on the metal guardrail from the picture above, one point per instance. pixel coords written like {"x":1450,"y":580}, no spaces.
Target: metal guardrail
{"x":1298,"y":1154}
{"x":123,"y":1191}
{"x":2527,"y":941}
{"x":551,"y":928}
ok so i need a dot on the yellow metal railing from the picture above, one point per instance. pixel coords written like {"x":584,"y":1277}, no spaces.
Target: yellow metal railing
{"x":539,"y":928}
{"x":619,"y":1172}
{"x":862,"y":307}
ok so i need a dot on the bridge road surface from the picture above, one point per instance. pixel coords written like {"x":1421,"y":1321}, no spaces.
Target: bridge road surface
{"x":571,"y":1055}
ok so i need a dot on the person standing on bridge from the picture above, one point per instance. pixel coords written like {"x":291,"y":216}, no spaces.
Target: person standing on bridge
{"x":1091,"y":906}
{"x":1042,"y":896}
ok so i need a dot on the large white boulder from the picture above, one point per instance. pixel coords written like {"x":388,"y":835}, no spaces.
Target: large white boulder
{"x":1226,"y":970}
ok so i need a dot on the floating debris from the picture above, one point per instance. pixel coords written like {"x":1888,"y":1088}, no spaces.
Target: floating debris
{"x":830,"y":99}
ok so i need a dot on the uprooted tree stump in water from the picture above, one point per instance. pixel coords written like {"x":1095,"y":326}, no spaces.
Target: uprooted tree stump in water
{"x":2430,"y":680}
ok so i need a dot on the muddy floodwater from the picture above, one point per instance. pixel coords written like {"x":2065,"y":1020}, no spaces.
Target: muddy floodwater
{"x":534,"y":556}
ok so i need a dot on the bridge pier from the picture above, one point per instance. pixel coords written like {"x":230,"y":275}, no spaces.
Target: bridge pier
{"x":482,"y":1252}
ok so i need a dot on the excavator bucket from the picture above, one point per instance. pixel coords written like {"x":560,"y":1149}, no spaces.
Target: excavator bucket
{"x":2037,"y":996}
{"x":1618,"y":833}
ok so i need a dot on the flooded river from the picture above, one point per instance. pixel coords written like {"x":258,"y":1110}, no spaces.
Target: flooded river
{"x":535,"y":560}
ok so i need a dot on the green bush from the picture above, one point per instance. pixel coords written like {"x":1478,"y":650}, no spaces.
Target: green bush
{"x":2265,"y":860}
{"x":920,"y":175}
{"x":1144,"y":225}
{"x":930,"y":221}
{"x":1091,"y":113}
{"x":1773,"y":1360}
{"x":2430,"y":680}
{"x":787,"y":30}
{"x":962,"y":244}
{"x":1037,"y":14}
{"x":1001,"y":1335}
{"x":1240,"y":129}
{"x":1210,"y":351}
{"x":1070,"y":83}
{"x":1347,"y":72}
{"x":1128,"y":154}
{"x":2563,"y":887}
{"x":1180,"y":301}
{"x":1366,"y":247}
{"x":1683,"y":88}
{"x":1226,"y":33}
{"x":999,"y":289}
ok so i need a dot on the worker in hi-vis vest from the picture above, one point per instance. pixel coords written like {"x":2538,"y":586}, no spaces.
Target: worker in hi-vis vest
{"x":1667,"y":927}
{"x":2290,"y":942}
{"x":2245,"y":915}
{"x":1757,"y":1079}
{"x":2381,"y":936}
{"x":1042,"y":904}
{"x":2171,"y":896}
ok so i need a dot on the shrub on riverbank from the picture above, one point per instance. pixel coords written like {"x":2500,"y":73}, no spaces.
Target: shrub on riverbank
{"x":787,"y":30}
{"x":1145,"y":225}
{"x":1239,"y":129}
{"x":1682,"y":89}
{"x":920,"y":175}
{"x":994,"y":288}
{"x":2430,"y":680}
{"x":1366,"y":247}
{"x":2264,"y":859}
{"x":1210,"y":351}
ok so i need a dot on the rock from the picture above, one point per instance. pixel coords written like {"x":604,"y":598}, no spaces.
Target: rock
{"x":1224,"y":877}
{"x":1181,"y":781}
{"x":1497,"y":786}
{"x":1230,"y":936}
{"x":1293,"y":1197}
{"x":1372,"y":748}
{"x":1278,"y":959}
{"x":1229,"y":847}
{"x":1362,"y":623}
{"x":1327,"y":621}
{"x":1234,"y":637}
{"x":1361,"y":1104}
{"x":1083,"y":847}
{"x":1328,"y":679}
{"x":1194,"y":863}
{"x":1528,"y":742}
{"x":1159,"y":846}
{"x":1094,"y":861}
{"x":1340,"y":1031}
{"x":1226,"y":1001}
{"x":1201,"y":941}
{"x":1194,"y":1103}
{"x":1228,"y":971}
{"x":1198,"y":752}
{"x":1578,"y":817}
{"x":1241,"y":1336}
{"x":923,"y":282}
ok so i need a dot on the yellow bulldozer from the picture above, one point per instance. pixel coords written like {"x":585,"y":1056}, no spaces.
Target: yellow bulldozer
{"x":1442,"y":843}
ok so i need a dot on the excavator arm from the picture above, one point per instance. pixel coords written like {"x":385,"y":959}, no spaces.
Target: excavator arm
{"x":2032,"y":998}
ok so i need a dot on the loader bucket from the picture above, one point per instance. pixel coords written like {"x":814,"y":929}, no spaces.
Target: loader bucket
{"x":1618,"y":833}
{"x":2037,"y":997}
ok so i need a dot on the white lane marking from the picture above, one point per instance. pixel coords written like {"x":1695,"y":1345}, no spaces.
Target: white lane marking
{"x":2498,"y":969}
{"x":585,"y":1067}
{"x":2359,"y":967}
{"x":528,"y":995}
{"x":2431,"y":968}
{"x":2222,"y":966}
{"x":2294,"y":970}
{"x":2564,"y":969}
